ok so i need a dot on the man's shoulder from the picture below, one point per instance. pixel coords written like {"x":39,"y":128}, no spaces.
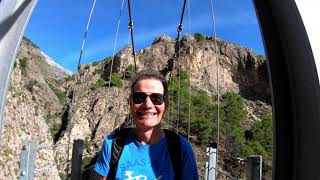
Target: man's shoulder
{"x":176,"y":136}
{"x":119,"y":133}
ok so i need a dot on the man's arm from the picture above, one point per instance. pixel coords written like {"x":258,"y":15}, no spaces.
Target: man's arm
{"x":102,"y":178}
{"x":96,"y":176}
{"x":189,"y":164}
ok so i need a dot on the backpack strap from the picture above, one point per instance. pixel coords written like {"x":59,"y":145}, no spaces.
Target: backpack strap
{"x":116,"y":150}
{"x":174,"y":148}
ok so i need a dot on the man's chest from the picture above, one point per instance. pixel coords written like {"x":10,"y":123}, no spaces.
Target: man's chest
{"x":137,"y":164}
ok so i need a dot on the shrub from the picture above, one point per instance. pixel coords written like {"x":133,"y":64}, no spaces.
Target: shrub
{"x":23,"y":66}
{"x":30,"y":84}
{"x":60,"y":94}
{"x":262,"y":135}
{"x":69,"y":78}
{"x":199,"y":37}
{"x":116,"y":80}
{"x":85,"y":162}
{"x":202,"y":112}
{"x":231,"y":129}
{"x":107,"y":60}
{"x":261,"y":143}
{"x":95,"y":63}
{"x":130,"y":71}
{"x":98,"y":83}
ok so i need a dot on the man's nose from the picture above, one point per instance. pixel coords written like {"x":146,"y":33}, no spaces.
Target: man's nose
{"x":148,"y":103}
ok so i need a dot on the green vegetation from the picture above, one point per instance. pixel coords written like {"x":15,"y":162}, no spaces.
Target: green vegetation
{"x":60,"y":94}
{"x":116,"y":80}
{"x":62,"y":175}
{"x":130,"y":71}
{"x":199,"y":37}
{"x":261,"y":143}
{"x":98,"y":83}
{"x":107,"y":60}
{"x":49,"y":116}
{"x":203,"y":113}
{"x":55,"y":127}
{"x":78,"y":81}
{"x":203,"y":120}
{"x":88,"y":145}
{"x":261,"y":140}
{"x":85,"y":162}
{"x":69,"y":78}
{"x":30,"y":84}
{"x":23,"y":66}
{"x":104,"y":61}
{"x":94,"y":63}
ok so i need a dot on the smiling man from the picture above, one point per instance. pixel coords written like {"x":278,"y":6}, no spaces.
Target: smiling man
{"x":147,"y":151}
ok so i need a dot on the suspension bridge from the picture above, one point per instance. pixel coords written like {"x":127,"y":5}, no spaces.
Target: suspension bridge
{"x":288,"y":161}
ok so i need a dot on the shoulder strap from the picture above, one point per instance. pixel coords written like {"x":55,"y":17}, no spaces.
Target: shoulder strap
{"x":174,"y":148}
{"x":116,"y":150}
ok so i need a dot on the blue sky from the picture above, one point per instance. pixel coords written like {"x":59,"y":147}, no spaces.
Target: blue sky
{"x":57,"y":26}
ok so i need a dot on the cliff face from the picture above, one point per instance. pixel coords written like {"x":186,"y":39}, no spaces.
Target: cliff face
{"x":92,"y":109}
{"x":30,"y":105}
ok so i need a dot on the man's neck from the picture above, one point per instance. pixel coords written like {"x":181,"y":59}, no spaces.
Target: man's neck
{"x":148,"y":136}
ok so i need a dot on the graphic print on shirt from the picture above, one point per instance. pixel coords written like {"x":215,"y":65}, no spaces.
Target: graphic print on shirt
{"x":133,"y":164}
{"x":139,"y":177}
{"x":130,"y":177}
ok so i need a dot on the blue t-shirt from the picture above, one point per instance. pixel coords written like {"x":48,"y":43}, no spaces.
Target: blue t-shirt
{"x":146,"y":162}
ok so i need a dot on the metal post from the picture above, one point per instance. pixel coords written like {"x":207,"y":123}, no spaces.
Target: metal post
{"x":27,"y":160}
{"x":76,"y":161}
{"x":254,"y":167}
{"x":211,"y":164}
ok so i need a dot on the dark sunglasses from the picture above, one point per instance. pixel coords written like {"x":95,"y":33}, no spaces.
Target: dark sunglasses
{"x":141,"y":97}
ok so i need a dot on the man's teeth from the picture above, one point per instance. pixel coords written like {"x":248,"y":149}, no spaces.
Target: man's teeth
{"x":149,"y":114}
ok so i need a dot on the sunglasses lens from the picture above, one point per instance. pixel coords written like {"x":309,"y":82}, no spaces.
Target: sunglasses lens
{"x":140,"y":97}
{"x":156,"y":98}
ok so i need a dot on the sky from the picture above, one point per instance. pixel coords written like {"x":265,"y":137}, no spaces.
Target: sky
{"x":58,"y":26}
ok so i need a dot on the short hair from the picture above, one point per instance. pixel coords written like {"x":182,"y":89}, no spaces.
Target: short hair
{"x":150,"y":74}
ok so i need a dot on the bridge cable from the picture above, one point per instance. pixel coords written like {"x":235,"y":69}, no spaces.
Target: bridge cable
{"x":78,"y":68}
{"x":177,"y":46}
{"x":115,"y":42}
{"x":189,"y":63}
{"x":171,"y":64}
{"x":167,"y":71}
{"x":92,"y":174}
{"x":175,"y":57}
{"x":217,"y":83}
{"x":132,"y":37}
{"x":85,"y":33}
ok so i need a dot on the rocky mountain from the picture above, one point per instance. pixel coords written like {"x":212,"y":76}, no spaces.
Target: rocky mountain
{"x":31,"y":102}
{"x":49,"y":106}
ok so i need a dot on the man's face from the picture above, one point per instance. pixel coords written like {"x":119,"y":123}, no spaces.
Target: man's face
{"x":147,"y":114}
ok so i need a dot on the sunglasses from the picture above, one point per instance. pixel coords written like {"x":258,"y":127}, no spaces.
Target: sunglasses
{"x":141,"y":97}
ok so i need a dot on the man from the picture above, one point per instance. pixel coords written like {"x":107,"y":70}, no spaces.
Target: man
{"x":145,"y":155}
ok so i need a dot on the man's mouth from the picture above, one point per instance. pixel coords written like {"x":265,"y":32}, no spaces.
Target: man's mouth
{"x":150,"y":114}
